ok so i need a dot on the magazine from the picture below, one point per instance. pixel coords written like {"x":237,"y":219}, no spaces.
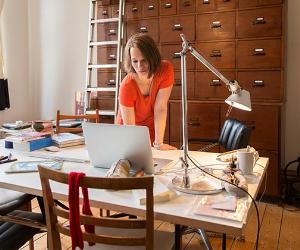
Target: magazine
{"x":32,"y":166}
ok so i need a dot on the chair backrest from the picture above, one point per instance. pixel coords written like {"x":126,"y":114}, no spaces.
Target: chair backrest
{"x":90,"y":117}
{"x":234,"y":135}
{"x":54,"y":227}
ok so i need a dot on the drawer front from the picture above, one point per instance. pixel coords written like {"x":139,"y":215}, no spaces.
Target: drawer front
{"x":107,"y":32}
{"x":225,"y":4}
{"x":264,"y":121}
{"x":212,"y":5}
{"x":186,"y":6}
{"x":254,"y":3}
{"x":106,"y":103}
{"x":149,"y":26}
{"x":172,"y":53}
{"x":207,"y":85}
{"x":197,"y":146}
{"x":273,"y":187}
{"x":167,"y":7}
{"x":115,"y":10}
{"x":216,"y":26}
{"x":259,"y":22}
{"x":259,"y":54}
{"x":190,"y":79}
{"x":172,"y":27}
{"x":219,"y":54}
{"x":107,"y":55}
{"x":150,"y":8}
{"x":106,"y":78}
{"x":103,"y":12}
{"x":203,"y":121}
{"x":107,"y":119}
{"x":133,"y":10}
{"x":263,"y":85}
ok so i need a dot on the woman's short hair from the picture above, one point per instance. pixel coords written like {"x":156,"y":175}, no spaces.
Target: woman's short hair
{"x":148,"y":49}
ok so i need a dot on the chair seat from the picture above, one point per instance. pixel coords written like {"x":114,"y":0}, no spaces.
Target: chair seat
{"x":162,"y":239}
{"x":11,"y":200}
{"x":13,"y":236}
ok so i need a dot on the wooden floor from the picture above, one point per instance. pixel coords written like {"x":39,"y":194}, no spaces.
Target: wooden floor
{"x":280,"y":229}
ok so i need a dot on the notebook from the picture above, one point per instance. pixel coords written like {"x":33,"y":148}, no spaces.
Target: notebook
{"x":108,"y":143}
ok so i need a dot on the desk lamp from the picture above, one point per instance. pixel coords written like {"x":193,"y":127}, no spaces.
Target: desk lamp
{"x":239,"y":98}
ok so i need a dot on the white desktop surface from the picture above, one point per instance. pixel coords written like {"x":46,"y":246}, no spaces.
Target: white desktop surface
{"x":176,"y":211}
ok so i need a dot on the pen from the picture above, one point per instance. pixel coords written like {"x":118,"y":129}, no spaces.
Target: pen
{"x":8,"y":160}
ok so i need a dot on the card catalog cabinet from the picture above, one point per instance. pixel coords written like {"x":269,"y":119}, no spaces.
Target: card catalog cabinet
{"x":244,"y":39}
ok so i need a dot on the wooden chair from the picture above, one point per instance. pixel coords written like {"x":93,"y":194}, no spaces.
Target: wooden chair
{"x":110,"y":233}
{"x":94,"y":117}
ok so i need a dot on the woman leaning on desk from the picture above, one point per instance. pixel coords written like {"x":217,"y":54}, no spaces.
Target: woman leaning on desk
{"x":145,"y":91}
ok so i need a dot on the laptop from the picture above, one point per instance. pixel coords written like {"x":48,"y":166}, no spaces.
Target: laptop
{"x":108,"y":143}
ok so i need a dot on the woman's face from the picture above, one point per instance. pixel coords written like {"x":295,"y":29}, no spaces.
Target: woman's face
{"x":138,"y":62}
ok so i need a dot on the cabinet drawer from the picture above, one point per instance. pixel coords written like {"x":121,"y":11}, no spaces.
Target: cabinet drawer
{"x":107,"y":55}
{"x":264,"y":121}
{"x":172,"y":27}
{"x":203,"y":121}
{"x":219,"y":54}
{"x":149,"y":26}
{"x":107,"y":31}
{"x":150,"y":8}
{"x":212,"y":5}
{"x":208,"y":85}
{"x":259,"y":54}
{"x":176,"y":91}
{"x":263,"y":85}
{"x":103,"y":12}
{"x":107,"y":119}
{"x":186,"y":6}
{"x":106,"y":78}
{"x":259,"y":22}
{"x":216,"y":26}
{"x":133,"y":10}
{"x":115,"y":10}
{"x":167,"y":7}
{"x":197,"y":146}
{"x":172,"y":53}
{"x":254,"y":3}
{"x":106,"y":103}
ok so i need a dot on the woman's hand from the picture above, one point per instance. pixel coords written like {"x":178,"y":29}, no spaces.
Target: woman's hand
{"x":164,"y":146}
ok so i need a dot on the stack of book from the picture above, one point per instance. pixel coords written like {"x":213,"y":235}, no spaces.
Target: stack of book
{"x":28,"y":141}
{"x":62,"y":140}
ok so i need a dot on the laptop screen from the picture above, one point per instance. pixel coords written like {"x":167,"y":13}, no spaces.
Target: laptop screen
{"x":108,"y":143}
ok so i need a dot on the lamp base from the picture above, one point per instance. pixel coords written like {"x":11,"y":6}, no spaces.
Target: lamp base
{"x":200,"y":185}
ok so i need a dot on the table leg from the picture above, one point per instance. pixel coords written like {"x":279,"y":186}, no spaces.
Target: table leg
{"x":223,"y":241}
{"x":178,"y":241}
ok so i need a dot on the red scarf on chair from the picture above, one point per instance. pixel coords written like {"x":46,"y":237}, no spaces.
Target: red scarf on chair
{"x":75,"y":230}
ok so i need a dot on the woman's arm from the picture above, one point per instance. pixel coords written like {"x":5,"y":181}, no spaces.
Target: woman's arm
{"x":128,"y":115}
{"x":160,"y":117}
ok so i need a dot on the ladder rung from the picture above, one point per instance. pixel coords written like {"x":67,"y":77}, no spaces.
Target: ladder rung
{"x":102,"y":89}
{"x":106,"y":20}
{"x":101,"y":112}
{"x":102,"y":66}
{"x":103,"y":43}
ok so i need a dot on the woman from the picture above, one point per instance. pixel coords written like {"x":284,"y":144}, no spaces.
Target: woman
{"x":145,"y":91}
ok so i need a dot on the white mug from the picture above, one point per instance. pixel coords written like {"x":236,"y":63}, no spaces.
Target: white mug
{"x":246,"y":160}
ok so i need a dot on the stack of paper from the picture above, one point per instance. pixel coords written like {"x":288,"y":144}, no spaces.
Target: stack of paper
{"x":67,"y":139}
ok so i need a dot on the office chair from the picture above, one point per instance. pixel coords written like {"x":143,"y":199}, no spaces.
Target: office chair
{"x":59,"y":129}
{"x":109,"y":232}
{"x":234,"y":135}
{"x":18,"y":226}
{"x":292,"y":182}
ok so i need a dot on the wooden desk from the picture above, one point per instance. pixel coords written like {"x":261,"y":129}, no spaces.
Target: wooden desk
{"x":176,"y":211}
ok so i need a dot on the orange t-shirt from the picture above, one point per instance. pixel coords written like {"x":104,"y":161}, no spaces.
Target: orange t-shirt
{"x":131,"y":96}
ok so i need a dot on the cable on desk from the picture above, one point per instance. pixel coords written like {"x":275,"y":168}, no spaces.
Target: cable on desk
{"x":255,"y":205}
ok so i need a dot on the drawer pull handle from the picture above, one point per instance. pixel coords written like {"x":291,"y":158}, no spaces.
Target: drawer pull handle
{"x":176,"y":55}
{"x":134,"y":9}
{"x":194,"y":124}
{"x":177,"y":82}
{"x":168,"y":5}
{"x":259,"y":52}
{"x":216,"y":24}
{"x":150,"y":7}
{"x":259,"y":20}
{"x":111,"y":82}
{"x":206,"y":2}
{"x":143,"y":29}
{"x":187,"y":3}
{"x":104,"y":13}
{"x":215,"y":82}
{"x":216,"y":53}
{"x":112,"y":57}
{"x":258,"y":83}
{"x":112,"y":32}
{"x":177,"y":27}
